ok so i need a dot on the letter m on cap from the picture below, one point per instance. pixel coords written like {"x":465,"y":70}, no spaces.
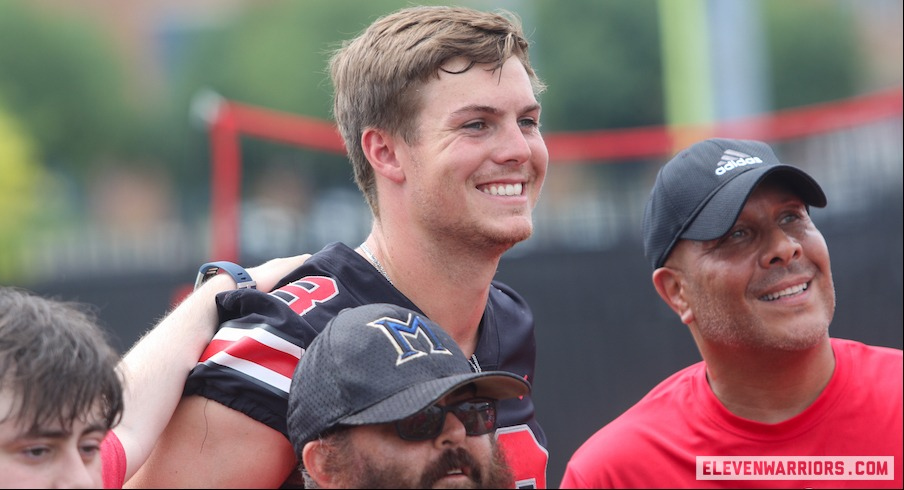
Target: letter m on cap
{"x":400,"y":333}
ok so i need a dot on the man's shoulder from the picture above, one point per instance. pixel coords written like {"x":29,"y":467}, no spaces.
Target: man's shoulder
{"x":333,"y":279}
{"x":677,"y":387}
{"x":868,"y":352}
{"x":507,"y":328}
{"x":653,"y":414}
{"x":503,"y":299}
{"x":332,"y":259}
{"x":882,"y":366}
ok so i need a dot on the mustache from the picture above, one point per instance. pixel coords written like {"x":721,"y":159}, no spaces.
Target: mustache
{"x":452,"y":459}
{"x":775,"y":275}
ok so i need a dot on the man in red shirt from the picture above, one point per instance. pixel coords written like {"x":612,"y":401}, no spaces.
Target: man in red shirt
{"x":775,"y":402}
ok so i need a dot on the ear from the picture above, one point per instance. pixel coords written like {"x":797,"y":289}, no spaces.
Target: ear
{"x":314,"y":457}
{"x":669,"y":283}
{"x":380,"y":148}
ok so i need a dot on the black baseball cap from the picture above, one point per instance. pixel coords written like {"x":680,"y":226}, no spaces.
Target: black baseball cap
{"x":380,"y":363}
{"x":699,"y":194}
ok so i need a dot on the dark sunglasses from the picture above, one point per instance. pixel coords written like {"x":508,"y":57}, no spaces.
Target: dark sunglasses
{"x":477,"y":415}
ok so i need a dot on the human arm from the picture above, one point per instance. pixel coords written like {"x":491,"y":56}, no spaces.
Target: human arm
{"x":155,"y":369}
{"x":209,"y":445}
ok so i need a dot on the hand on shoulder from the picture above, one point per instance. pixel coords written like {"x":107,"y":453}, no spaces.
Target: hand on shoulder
{"x":270,"y":272}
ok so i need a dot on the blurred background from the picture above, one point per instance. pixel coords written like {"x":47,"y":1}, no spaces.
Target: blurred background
{"x":108,"y":161}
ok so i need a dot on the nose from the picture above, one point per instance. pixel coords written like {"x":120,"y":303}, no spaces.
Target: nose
{"x":780,"y":248}
{"x":512,"y":145}
{"x":76,"y":471}
{"x":453,"y":433}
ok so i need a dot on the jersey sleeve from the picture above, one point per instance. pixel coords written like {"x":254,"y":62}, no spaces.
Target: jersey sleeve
{"x":249,"y":363}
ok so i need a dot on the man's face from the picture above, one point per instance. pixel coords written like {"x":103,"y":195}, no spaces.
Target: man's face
{"x":479,"y":163}
{"x":49,"y":456}
{"x":765,"y":285}
{"x":374,"y":456}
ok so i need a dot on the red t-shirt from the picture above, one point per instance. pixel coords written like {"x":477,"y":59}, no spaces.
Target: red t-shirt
{"x":659,"y":442}
{"x":113,"y":457}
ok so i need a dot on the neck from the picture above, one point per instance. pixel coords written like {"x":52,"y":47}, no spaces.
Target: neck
{"x":450,"y":286}
{"x":769,"y":387}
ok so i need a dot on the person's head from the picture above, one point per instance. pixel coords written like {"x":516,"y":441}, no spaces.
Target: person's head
{"x":378,"y":76}
{"x":384,"y":398}
{"x":60,"y":392}
{"x":727,"y":230}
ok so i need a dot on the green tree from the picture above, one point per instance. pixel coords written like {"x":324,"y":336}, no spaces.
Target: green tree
{"x":601,"y":62}
{"x":62,"y":80}
{"x":812,"y":49}
{"x":273,"y":56}
{"x":26,"y":193}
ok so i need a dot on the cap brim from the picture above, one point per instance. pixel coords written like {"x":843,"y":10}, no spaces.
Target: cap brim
{"x":492,"y":384}
{"x":723,"y":208}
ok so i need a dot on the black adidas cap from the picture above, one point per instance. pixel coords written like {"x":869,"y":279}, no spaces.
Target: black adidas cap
{"x":380,"y":363}
{"x":699,"y":194}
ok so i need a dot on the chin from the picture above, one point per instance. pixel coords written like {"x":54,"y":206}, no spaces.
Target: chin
{"x":509,"y":241}
{"x":519,"y":231}
{"x":801,"y":340}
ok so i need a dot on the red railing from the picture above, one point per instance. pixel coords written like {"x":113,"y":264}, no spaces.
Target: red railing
{"x":232,"y":120}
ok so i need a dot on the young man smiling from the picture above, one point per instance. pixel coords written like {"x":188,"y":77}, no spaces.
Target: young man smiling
{"x":439,"y":112}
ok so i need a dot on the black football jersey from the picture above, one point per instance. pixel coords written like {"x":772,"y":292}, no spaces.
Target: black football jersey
{"x":248,"y":365}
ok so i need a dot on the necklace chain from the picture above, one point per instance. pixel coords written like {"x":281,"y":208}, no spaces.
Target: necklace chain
{"x":475,"y":365}
{"x":373,"y":260}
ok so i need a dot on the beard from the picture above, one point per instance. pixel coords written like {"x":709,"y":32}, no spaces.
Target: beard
{"x":728,"y":327}
{"x":468,"y":228}
{"x":496,"y":474}
{"x":365,"y":472}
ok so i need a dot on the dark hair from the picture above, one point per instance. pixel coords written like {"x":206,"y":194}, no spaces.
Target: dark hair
{"x":56,"y":362}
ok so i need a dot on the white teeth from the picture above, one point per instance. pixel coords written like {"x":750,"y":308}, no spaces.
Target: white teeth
{"x":786,"y":292}
{"x":455,"y":472}
{"x":503,"y":189}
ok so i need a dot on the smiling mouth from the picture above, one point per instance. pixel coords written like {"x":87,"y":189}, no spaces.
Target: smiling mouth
{"x":784,"y":293}
{"x":502,"y":189}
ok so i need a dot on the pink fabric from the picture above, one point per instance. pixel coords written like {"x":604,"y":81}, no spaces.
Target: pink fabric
{"x":113,"y":457}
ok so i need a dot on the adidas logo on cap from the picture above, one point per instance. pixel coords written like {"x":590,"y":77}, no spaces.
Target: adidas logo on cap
{"x":733,"y":159}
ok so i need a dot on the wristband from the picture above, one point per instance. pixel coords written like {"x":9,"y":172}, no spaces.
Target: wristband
{"x":239,"y":275}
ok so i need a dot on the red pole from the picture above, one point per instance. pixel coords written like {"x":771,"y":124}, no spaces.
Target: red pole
{"x":225,"y":180}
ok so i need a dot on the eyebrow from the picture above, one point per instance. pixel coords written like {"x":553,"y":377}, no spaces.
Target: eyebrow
{"x":491,"y":109}
{"x":57,"y":433}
